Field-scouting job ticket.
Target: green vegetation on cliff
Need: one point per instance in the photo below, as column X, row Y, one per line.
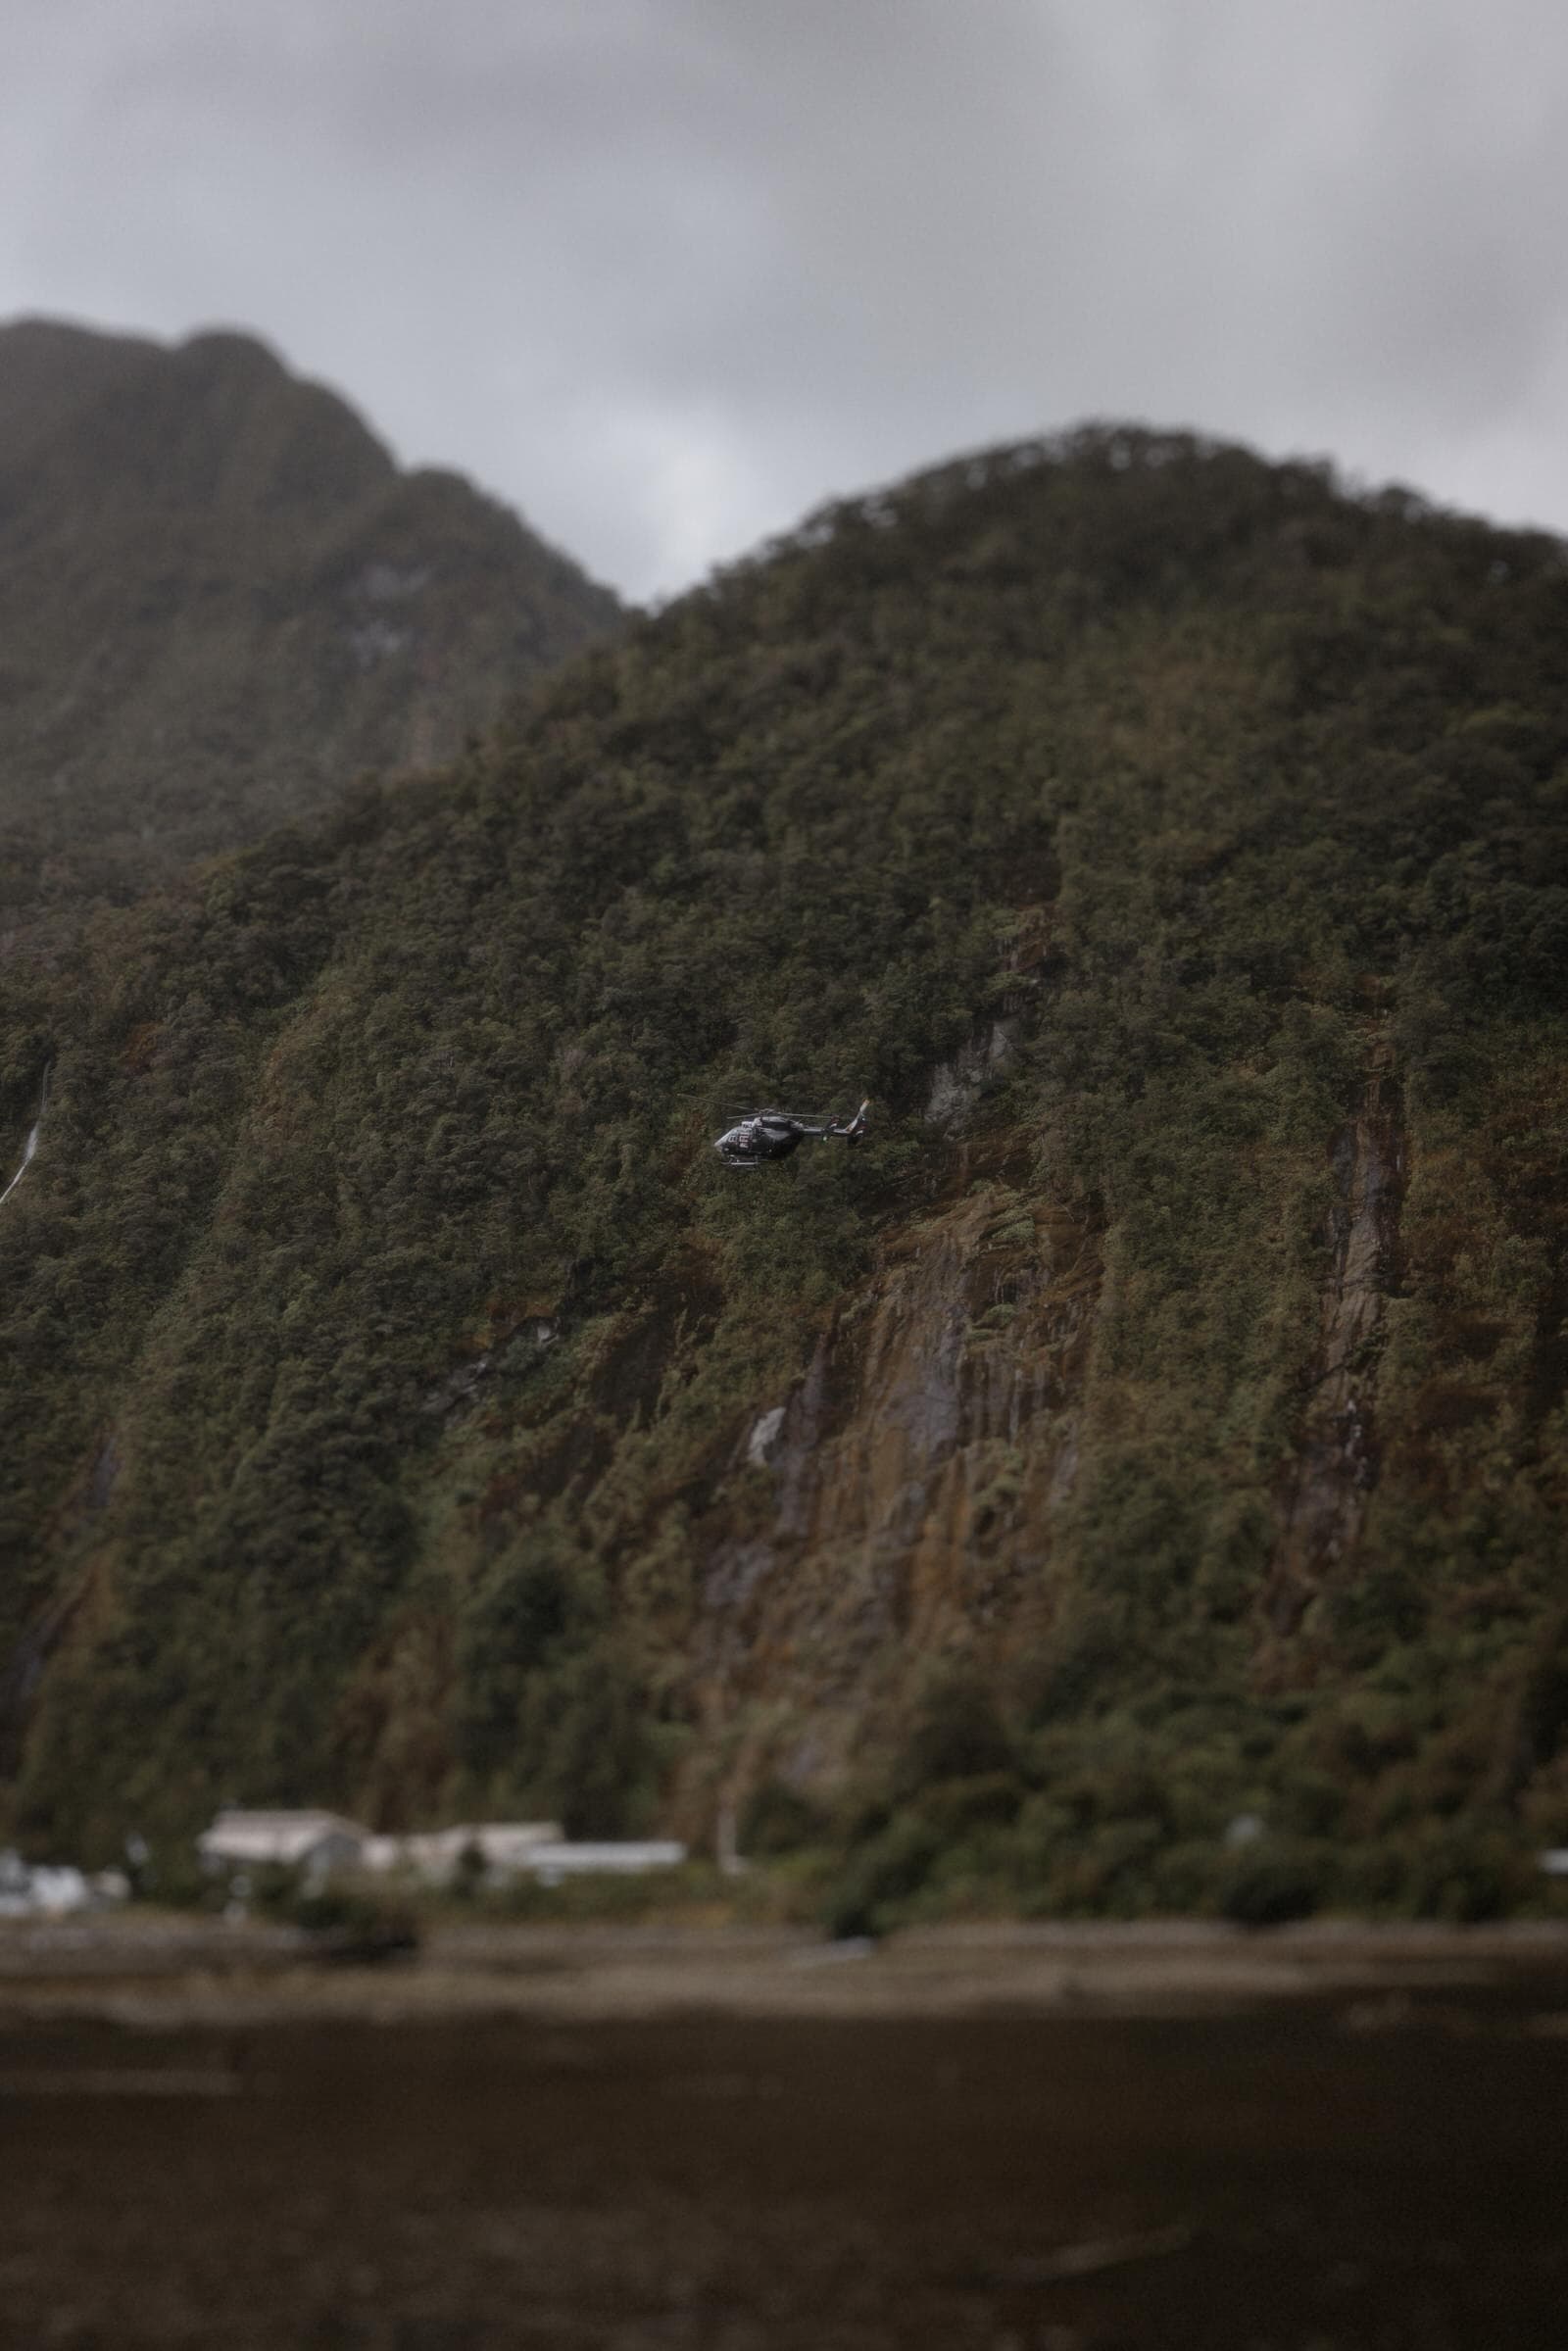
column 406, row 1410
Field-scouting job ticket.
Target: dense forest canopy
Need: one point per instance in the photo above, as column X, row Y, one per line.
column 1159, row 1424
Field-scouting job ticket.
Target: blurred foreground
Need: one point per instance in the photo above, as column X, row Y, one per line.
column 1060, row 2139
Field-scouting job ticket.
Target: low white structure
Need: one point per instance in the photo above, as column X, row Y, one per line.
column 41, row 1890
column 513, row 1850
column 437, row 1856
column 313, row 1842
column 627, row 1858
column 321, row 1844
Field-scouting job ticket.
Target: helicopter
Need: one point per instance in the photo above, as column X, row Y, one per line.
column 763, row 1136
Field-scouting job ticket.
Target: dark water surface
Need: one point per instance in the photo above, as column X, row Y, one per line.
column 1321, row 2180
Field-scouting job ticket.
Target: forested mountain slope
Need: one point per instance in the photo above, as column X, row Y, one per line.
column 219, row 598
column 1161, row 1419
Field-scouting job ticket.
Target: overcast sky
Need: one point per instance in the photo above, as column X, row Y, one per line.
column 665, row 274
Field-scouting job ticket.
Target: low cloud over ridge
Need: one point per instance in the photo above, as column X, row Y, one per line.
column 666, row 272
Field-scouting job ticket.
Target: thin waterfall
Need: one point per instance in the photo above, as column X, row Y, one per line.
column 31, row 1144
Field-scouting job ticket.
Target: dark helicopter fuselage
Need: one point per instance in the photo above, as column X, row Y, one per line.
column 769, row 1135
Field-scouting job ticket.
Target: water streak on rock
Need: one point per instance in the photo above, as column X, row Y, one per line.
column 1335, row 1462
column 32, row 1144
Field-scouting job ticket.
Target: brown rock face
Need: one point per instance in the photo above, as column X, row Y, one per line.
column 915, row 1472
column 1336, row 1463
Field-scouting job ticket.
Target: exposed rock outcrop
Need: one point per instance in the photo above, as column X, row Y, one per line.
column 1335, row 1462
column 915, row 1470
column 958, row 1085
column 995, row 1048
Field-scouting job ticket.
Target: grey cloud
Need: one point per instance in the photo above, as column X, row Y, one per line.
column 666, row 271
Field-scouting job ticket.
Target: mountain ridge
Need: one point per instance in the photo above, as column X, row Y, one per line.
column 1168, row 842
column 220, row 598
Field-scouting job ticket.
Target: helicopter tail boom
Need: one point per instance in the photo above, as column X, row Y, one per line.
column 855, row 1128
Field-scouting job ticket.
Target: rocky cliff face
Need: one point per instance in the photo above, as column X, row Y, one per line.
column 915, row 1472
column 1335, row 1463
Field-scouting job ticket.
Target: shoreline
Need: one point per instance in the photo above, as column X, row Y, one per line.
column 175, row 1972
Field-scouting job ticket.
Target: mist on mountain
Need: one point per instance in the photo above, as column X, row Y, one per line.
column 220, row 600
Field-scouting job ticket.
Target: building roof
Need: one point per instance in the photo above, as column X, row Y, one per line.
column 288, row 1837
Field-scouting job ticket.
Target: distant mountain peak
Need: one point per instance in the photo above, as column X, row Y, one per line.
column 234, row 347
column 185, row 660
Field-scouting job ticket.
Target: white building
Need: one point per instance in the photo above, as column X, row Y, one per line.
column 515, row 1849
column 318, row 1844
column 313, row 1842
column 39, row 1889
column 628, row 1857
column 435, row 1855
